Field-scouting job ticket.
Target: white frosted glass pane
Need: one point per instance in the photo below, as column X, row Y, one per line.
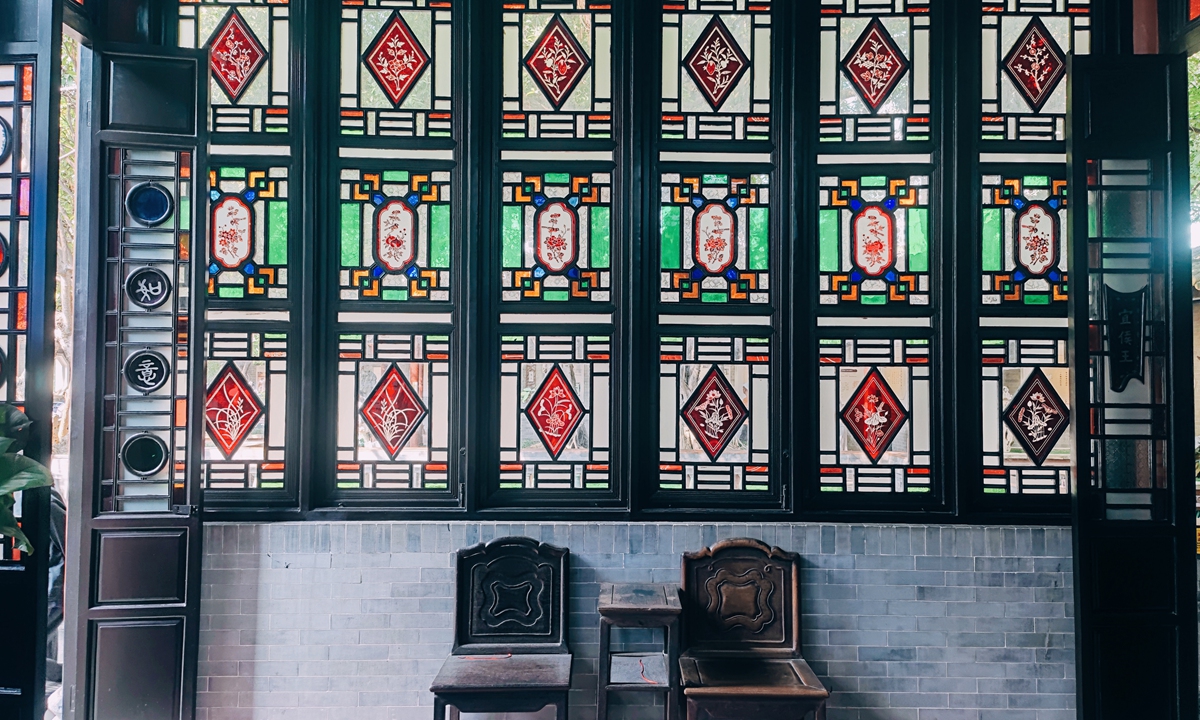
column 920, row 416
column 187, row 33
column 442, row 60
column 279, row 68
column 828, row 423
column 349, row 57
column 600, row 411
column 666, row 412
column 603, row 66
column 512, row 50
column 508, row 411
column 278, row 410
column 989, row 64
column 441, row 411
column 761, row 389
column 762, row 63
column 920, row 72
column 346, row 410
column 828, row 67
column 670, row 59
column 991, row 414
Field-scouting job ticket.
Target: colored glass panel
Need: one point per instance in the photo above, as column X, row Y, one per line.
column 1024, row 241
column 246, row 410
column 875, row 410
column 555, row 412
column 874, row 71
column 396, row 68
column 248, row 229
column 248, row 43
column 874, row 240
column 393, row 406
column 716, row 70
column 16, row 152
column 1025, row 45
column 395, row 235
column 714, row 413
column 715, row 238
column 556, row 236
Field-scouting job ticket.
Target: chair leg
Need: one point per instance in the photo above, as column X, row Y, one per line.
column 820, row 713
column 453, row 713
column 439, row 708
column 560, row 708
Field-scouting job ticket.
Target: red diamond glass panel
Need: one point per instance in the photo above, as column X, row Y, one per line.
column 1037, row 416
column 230, row 409
column 393, row 411
column 874, row 415
column 555, row 412
column 875, row 64
column 1036, row 64
column 235, row 55
column 396, row 59
column 557, row 62
column 714, row 413
column 716, row 62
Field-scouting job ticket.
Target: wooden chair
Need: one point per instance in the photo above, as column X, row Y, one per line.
column 741, row 616
column 510, row 633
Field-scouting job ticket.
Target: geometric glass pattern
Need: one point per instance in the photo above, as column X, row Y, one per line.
column 248, row 233
column 555, row 233
column 249, row 56
column 393, row 402
column 1023, row 241
column 1011, row 364
column 714, row 235
column 245, row 451
column 395, row 235
column 395, row 65
column 874, row 407
column 557, row 70
column 873, row 240
column 16, row 114
column 554, row 413
column 714, row 413
column 716, row 70
column 1024, row 49
column 875, row 71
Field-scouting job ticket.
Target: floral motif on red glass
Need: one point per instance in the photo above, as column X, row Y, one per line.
column 231, row 232
column 396, row 59
column 235, row 55
column 1036, row 64
column 555, row 412
column 874, row 415
column 1037, row 239
column 557, row 237
column 557, row 62
column 393, row 410
column 230, row 409
column 875, row 64
column 874, row 240
column 1037, row 416
column 716, row 62
column 714, row 413
column 714, row 240
column 395, row 235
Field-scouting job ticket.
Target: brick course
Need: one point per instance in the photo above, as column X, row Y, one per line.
column 351, row 621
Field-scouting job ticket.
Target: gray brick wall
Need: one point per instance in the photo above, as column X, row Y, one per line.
column 351, row 621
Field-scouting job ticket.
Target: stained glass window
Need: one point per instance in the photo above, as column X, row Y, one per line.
column 245, row 410
column 249, row 57
column 714, row 238
column 393, row 398
column 875, row 414
column 555, row 408
column 16, row 151
column 557, row 69
column 395, row 235
column 873, row 239
column 248, row 232
column 1023, row 246
column 715, row 412
column 556, row 236
column 396, row 68
column 875, row 65
column 1025, row 46
column 716, row 70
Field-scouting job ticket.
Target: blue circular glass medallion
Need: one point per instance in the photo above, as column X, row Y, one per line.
column 149, row 204
column 144, row 454
column 5, row 139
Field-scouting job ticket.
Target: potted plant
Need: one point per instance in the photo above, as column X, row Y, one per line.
column 17, row 472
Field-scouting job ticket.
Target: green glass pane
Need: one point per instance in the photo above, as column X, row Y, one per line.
column 185, row 213
column 998, row 491
column 714, row 297
column 439, row 236
column 756, row 487
column 232, row 172
column 918, row 239
column 231, row 291
column 759, row 244
column 394, row 294
column 558, row 178
column 1037, row 299
column 918, row 489
column 351, row 229
column 599, row 236
column 828, row 231
column 277, row 233
column 715, row 179
column 829, row 488
column 434, row 486
column 395, row 176
column 873, row 181
column 511, row 253
column 270, row 485
column 874, row 299
column 1036, row 181
column 669, row 229
column 993, row 230
column 556, row 295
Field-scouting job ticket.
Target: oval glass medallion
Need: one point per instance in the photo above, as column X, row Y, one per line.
column 148, row 287
column 144, row 454
column 149, row 204
column 6, row 136
column 146, row 371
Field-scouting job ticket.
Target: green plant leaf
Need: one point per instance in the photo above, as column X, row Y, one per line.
column 14, row 425
column 9, row 527
column 18, row 472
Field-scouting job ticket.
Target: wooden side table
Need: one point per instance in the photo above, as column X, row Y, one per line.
column 640, row 606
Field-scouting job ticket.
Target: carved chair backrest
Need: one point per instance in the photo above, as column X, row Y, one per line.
column 512, row 598
column 742, row 597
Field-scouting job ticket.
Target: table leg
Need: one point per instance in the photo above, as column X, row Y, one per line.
column 673, row 696
column 602, row 672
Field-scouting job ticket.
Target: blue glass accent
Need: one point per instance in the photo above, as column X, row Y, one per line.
column 856, row 276
column 376, row 271
column 414, row 199
column 573, row 273
column 249, row 269
column 890, row 203
column 1054, row 275
column 1053, row 203
column 378, row 199
column 1019, row 276
column 573, row 200
column 539, row 272
column 539, row 200
column 891, row 275
column 731, row 202
column 731, row 274
column 1019, row 203
column 213, row 269
column 249, row 195
column 214, row 194
column 149, row 203
column 856, row 204
column 697, row 273
column 413, row 272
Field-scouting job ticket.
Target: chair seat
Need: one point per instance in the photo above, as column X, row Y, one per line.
column 500, row 673
column 758, row 678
